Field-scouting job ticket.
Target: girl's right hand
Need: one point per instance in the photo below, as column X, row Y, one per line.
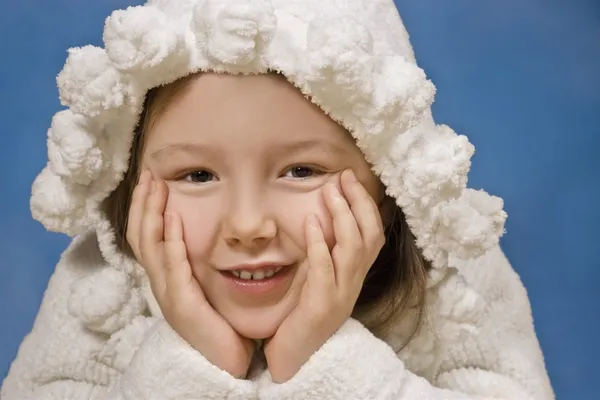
column 156, row 239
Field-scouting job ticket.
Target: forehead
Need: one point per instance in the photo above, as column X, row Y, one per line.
column 257, row 108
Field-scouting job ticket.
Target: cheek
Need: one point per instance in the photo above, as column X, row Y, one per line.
column 292, row 210
column 199, row 223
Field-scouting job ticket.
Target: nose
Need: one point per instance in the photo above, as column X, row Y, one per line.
column 247, row 223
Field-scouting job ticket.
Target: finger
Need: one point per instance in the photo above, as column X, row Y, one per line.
column 365, row 212
column 178, row 271
column 136, row 210
column 321, row 271
column 152, row 230
column 347, row 234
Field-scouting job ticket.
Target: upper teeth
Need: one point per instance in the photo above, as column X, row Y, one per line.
column 256, row 275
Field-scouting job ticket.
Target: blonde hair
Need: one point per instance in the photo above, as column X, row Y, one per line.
column 396, row 282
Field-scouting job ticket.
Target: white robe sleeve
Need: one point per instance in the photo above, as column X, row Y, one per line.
column 354, row 364
column 61, row 359
column 499, row 360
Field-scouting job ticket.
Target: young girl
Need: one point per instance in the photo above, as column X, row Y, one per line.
column 263, row 208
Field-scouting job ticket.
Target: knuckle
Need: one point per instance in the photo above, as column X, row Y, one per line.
column 168, row 264
column 173, row 254
column 356, row 244
column 325, row 261
column 377, row 235
column 130, row 239
column 169, row 256
column 171, row 265
column 380, row 241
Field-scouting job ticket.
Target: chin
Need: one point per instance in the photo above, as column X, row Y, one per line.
column 258, row 323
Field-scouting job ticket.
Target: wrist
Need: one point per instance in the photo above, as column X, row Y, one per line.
column 234, row 358
column 286, row 355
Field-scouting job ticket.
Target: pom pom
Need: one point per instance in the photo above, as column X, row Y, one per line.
column 89, row 83
column 234, row 31
column 141, row 37
column 386, row 95
column 401, row 96
column 73, row 149
column 459, row 308
column 106, row 301
column 438, row 168
column 57, row 205
column 339, row 64
column 471, row 224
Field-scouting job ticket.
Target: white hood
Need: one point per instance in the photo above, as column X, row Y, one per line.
column 350, row 57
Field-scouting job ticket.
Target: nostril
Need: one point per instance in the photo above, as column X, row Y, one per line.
column 250, row 232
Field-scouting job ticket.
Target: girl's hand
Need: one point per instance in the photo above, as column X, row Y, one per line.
column 334, row 280
column 156, row 239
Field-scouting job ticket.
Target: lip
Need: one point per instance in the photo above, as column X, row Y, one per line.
column 255, row 266
column 276, row 285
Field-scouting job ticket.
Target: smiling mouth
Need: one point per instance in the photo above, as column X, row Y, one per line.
column 259, row 280
column 256, row 275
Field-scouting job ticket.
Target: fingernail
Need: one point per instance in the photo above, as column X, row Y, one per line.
column 168, row 218
column 351, row 176
column 313, row 222
column 152, row 186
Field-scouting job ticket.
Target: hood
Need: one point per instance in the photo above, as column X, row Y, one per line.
column 352, row 58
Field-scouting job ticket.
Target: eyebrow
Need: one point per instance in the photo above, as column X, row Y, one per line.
column 281, row 149
column 190, row 148
column 310, row 144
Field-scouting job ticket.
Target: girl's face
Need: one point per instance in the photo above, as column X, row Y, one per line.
column 245, row 159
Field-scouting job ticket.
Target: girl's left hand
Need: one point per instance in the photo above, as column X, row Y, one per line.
column 334, row 280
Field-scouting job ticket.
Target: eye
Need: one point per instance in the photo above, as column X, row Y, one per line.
column 302, row 172
column 201, row 176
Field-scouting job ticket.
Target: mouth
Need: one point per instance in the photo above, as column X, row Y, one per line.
column 257, row 274
column 259, row 279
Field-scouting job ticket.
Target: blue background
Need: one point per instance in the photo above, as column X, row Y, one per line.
column 520, row 78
